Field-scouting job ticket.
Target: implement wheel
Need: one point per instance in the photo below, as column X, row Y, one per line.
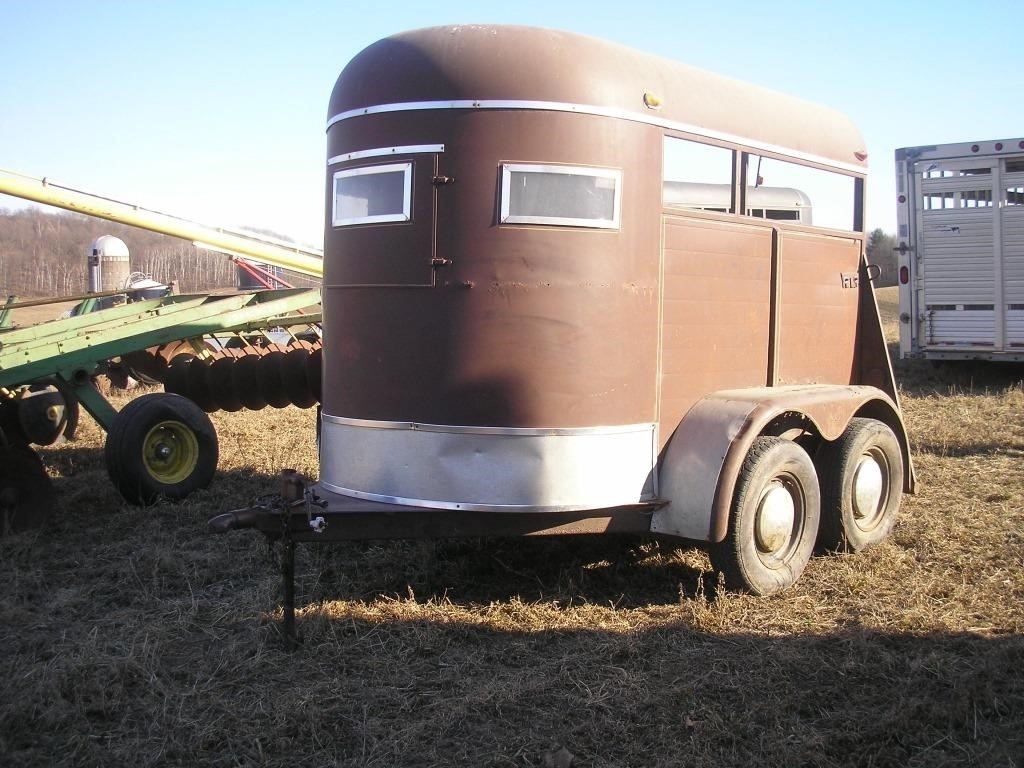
column 160, row 446
column 774, row 519
column 26, row 492
column 861, row 486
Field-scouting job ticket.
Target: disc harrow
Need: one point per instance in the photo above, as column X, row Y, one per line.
column 218, row 351
column 253, row 377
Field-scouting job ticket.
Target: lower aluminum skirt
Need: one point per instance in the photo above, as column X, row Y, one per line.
column 488, row 468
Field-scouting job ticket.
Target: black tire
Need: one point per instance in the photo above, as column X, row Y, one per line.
column 773, row 522
column 160, row 446
column 866, row 457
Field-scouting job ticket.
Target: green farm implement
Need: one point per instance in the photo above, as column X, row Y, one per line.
column 210, row 352
column 161, row 444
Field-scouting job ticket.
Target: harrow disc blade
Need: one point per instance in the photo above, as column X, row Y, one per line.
column 271, row 382
column 198, row 385
column 245, row 384
column 176, row 378
column 45, row 413
column 293, row 376
column 26, row 492
column 219, row 380
column 145, row 365
column 173, row 349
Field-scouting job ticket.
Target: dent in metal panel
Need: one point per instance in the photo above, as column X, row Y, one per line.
column 481, row 469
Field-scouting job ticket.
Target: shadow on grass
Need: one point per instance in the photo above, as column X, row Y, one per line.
column 147, row 645
column 612, row 570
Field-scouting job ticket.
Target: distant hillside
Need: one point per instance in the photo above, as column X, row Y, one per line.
column 44, row 254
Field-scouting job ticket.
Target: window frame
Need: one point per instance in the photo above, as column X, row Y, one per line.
column 505, row 200
column 406, row 167
column 856, row 190
column 727, row 181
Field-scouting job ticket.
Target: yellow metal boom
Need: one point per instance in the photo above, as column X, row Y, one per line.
column 294, row 258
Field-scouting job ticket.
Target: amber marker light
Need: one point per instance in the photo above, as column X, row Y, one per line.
column 651, row 101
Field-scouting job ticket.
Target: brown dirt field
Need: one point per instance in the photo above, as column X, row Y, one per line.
column 132, row 637
column 41, row 313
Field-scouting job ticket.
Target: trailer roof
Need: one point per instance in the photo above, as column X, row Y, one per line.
column 496, row 63
column 961, row 149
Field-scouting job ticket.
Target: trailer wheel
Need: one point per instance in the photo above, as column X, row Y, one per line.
column 160, row 445
column 861, row 486
column 773, row 521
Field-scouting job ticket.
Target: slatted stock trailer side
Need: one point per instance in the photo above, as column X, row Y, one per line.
column 961, row 248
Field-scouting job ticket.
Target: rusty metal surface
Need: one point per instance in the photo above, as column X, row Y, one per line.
column 817, row 311
column 347, row 518
column 715, row 322
column 703, row 458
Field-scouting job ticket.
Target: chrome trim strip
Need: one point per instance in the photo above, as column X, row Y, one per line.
column 450, row 505
column 590, row 109
column 617, row 429
column 411, row 149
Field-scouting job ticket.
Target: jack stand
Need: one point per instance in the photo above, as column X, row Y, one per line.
column 291, row 639
column 292, row 490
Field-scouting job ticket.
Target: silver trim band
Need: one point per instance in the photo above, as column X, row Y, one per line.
column 591, row 109
column 411, row 149
column 617, row 429
column 447, row 504
column 489, row 468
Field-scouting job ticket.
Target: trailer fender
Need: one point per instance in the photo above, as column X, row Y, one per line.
column 698, row 467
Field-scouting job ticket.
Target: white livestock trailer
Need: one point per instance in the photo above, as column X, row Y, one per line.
column 960, row 239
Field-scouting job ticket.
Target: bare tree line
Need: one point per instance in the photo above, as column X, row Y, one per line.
column 44, row 254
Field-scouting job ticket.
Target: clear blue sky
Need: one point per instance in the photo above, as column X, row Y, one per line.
column 216, row 110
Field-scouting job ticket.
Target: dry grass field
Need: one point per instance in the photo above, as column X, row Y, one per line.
column 133, row 637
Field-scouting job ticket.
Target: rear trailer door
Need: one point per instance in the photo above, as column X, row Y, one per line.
column 970, row 267
column 956, row 245
column 1011, row 220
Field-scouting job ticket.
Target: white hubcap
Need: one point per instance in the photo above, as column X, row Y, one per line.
column 867, row 488
column 775, row 516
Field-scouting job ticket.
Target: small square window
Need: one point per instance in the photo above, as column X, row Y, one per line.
column 373, row 195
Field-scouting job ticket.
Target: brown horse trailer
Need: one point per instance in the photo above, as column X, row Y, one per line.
column 574, row 288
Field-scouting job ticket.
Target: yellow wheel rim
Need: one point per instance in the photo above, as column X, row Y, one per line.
column 170, row 452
